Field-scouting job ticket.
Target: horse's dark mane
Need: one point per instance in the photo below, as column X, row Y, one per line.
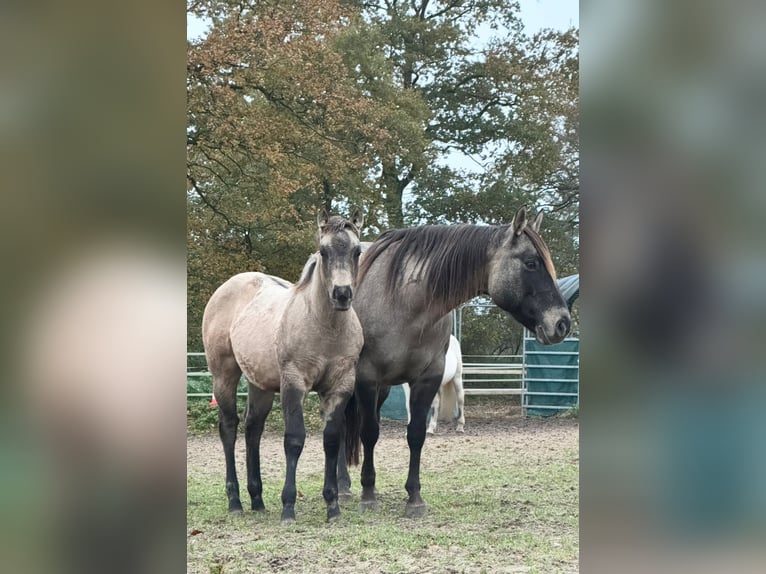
column 451, row 258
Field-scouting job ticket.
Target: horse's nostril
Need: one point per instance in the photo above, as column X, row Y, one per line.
column 562, row 327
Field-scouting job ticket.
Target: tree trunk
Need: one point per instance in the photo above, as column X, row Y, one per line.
column 327, row 195
column 394, row 190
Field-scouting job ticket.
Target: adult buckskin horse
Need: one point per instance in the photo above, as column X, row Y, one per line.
column 409, row 280
column 291, row 339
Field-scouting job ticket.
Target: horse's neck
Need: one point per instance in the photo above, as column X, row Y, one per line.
column 435, row 310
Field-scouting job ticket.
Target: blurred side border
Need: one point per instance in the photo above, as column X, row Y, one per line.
column 672, row 460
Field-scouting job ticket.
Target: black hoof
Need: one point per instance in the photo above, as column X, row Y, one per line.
column 235, row 507
column 418, row 510
column 345, row 496
column 333, row 513
column 288, row 515
column 368, row 505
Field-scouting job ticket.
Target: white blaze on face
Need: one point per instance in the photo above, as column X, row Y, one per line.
column 341, row 271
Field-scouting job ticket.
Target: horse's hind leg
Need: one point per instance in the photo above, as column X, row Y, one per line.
column 423, row 392
column 226, row 375
column 344, row 479
column 333, row 407
column 369, row 405
column 460, row 394
column 435, row 416
column 259, row 404
column 291, row 395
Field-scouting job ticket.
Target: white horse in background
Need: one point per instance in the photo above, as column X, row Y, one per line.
column 450, row 393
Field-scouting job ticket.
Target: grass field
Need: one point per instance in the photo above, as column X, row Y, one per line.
column 502, row 498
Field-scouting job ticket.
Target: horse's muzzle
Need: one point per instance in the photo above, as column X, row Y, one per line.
column 549, row 334
column 341, row 298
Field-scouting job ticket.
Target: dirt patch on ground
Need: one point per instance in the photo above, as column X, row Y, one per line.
column 503, row 498
column 508, row 436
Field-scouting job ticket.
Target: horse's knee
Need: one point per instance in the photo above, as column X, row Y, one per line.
column 293, row 443
column 331, row 440
column 370, row 432
column 228, row 424
column 416, row 437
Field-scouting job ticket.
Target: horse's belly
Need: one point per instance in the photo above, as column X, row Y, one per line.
column 259, row 366
column 395, row 365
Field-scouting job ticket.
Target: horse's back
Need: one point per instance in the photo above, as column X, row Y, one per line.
column 224, row 307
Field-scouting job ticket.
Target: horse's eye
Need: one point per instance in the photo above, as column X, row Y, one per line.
column 532, row 264
column 323, row 251
column 357, row 252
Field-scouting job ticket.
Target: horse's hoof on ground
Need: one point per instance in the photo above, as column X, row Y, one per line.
column 415, row 510
column 288, row 517
column 459, row 429
column 333, row 515
column 429, row 431
column 367, row 505
column 345, row 496
column 235, row 508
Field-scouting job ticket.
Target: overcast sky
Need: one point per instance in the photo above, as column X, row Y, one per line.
column 536, row 14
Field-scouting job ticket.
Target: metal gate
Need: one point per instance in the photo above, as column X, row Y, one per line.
column 551, row 376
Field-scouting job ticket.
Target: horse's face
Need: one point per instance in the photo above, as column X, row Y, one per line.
column 522, row 281
column 339, row 252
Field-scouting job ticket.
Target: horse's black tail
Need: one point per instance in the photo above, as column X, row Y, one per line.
column 353, row 431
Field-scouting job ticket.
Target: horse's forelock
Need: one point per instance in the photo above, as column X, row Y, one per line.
column 542, row 250
column 336, row 224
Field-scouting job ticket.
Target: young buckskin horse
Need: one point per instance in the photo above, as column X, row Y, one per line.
column 409, row 280
column 289, row 339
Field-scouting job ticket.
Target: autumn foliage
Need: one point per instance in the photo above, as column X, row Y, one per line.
column 309, row 103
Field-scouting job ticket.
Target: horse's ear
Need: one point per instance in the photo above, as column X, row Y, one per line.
column 357, row 217
column 323, row 218
column 519, row 221
column 535, row 225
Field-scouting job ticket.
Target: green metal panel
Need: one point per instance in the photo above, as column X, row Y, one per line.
column 394, row 407
column 552, row 376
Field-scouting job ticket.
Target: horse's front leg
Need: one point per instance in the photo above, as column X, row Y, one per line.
column 333, row 407
column 422, row 395
column 292, row 392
